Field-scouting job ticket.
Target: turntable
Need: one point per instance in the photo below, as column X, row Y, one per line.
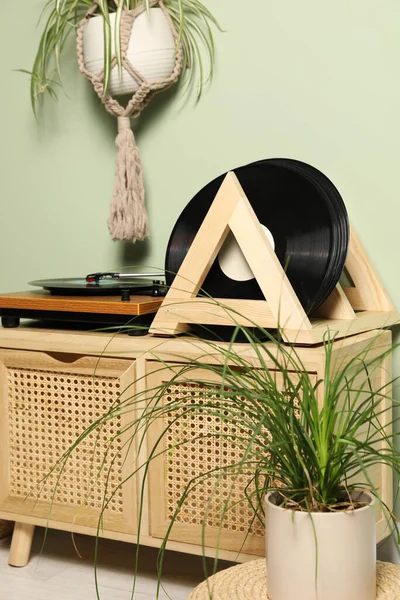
column 99, row 299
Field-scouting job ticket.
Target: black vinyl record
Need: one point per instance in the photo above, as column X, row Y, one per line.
column 304, row 215
column 75, row 286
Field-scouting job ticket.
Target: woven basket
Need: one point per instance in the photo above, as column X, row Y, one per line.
column 249, row 582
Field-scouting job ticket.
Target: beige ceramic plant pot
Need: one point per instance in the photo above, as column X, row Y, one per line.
column 342, row 545
column 151, row 50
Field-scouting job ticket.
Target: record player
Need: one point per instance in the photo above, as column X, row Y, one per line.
column 99, row 299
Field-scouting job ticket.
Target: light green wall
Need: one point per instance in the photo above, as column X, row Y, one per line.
column 311, row 80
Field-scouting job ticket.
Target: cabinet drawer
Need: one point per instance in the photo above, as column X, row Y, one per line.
column 47, row 401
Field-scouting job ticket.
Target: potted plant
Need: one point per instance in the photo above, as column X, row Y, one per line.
column 307, row 449
column 151, row 48
column 125, row 46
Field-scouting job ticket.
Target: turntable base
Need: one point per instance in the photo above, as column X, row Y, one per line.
column 111, row 310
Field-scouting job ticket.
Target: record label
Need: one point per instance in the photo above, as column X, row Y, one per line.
column 232, row 261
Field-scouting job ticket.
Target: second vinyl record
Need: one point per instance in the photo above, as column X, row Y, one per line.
column 301, row 212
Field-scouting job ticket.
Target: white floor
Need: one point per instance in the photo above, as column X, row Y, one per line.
column 57, row 573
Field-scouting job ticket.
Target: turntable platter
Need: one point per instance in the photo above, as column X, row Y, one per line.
column 103, row 287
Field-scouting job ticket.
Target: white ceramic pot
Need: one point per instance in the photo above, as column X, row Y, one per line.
column 343, row 544
column 151, row 50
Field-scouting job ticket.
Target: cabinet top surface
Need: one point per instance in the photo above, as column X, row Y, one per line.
column 108, row 343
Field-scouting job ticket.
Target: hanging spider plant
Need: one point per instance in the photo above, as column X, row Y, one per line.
column 191, row 19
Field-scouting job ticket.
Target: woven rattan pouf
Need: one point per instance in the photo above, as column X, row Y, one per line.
column 249, row 582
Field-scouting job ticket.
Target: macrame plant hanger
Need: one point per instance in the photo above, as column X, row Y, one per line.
column 128, row 217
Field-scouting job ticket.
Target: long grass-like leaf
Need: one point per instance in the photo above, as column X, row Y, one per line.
column 117, row 35
column 103, row 6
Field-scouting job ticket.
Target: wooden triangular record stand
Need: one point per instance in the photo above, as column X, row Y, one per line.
column 347, row 311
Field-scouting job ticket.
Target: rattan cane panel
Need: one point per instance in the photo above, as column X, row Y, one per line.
column 47, row 413
column 187, row 461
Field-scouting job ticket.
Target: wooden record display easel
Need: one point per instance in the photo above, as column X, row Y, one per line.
column 347, row 311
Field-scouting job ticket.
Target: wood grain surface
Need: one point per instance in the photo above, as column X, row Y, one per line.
column 110, row 305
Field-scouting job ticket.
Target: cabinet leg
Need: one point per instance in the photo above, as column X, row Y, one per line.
column 21, row 545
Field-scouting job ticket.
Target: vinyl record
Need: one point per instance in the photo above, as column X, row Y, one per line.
column 302, row 214
column 105, row 287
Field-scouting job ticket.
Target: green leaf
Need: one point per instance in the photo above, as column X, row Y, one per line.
column 107, row 45
column 117, row 34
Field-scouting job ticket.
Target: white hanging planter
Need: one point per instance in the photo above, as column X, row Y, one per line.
column 151, row 50
column 343, row 544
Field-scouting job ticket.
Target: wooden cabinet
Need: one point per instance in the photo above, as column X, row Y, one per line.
column 54, row 384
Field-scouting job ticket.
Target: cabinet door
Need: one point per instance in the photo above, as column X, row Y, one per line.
column 46, row 402
column 171, row 472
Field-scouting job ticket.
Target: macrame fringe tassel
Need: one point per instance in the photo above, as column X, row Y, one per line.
column 128, row 217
